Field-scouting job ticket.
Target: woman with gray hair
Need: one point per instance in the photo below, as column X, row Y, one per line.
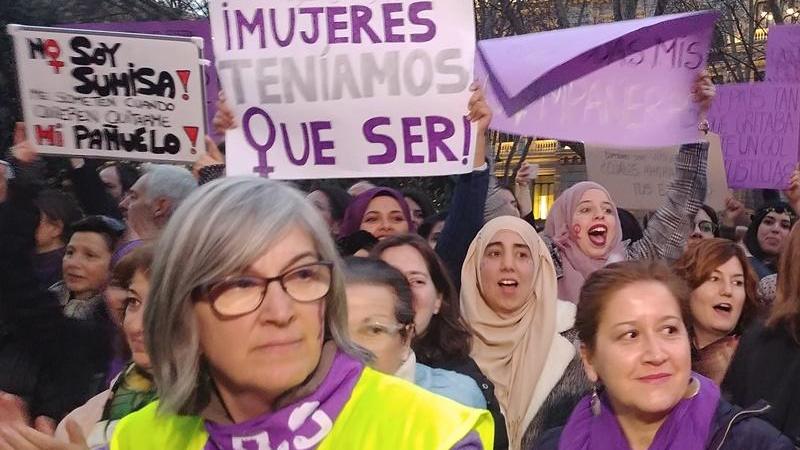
column 247, row 335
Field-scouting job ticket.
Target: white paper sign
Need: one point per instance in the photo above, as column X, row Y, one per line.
column 639, row 178
column 111, row 95
column 331, row 89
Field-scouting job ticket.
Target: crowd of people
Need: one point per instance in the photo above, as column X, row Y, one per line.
column 154, row 306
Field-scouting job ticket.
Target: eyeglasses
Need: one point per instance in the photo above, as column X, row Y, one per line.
column 376, row 331
column 240, row 295
column 706, row 226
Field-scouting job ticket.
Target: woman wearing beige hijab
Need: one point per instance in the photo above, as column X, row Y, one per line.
column 523, row 334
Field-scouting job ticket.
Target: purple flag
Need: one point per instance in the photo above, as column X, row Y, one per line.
column 758, row 124
column 188, row 28
column 622, row 83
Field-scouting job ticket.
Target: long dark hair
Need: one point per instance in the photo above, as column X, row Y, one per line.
column 448, row 337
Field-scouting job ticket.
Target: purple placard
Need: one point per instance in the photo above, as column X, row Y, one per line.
column 783, row 54
column 622, row 83
column 189, row 28
column 758, row 124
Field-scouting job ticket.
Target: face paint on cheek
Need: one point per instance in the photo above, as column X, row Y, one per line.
column 576, row 230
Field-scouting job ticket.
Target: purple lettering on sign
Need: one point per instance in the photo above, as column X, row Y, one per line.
column 287, row 142
column 436, row 139
column 256, row 25
column 409, row 139
column 335, row 25
column 321, row 145
column 262, row 169
column 376, row 138
column 361, row 15
column 389, row 22
column 414, row 17
column 283, row 42
column 314, row 13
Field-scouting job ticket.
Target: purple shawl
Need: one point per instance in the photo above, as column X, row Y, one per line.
column 688, row 426
column 577, row 266
column 355, row 212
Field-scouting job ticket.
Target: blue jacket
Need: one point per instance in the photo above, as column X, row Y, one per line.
column 733, row 429
column 452, row 385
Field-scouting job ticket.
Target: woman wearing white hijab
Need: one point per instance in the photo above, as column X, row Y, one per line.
column 508, row 297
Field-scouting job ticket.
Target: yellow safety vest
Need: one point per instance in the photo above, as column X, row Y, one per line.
column 382, row 412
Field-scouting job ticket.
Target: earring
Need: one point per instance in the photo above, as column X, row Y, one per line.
column 595, row 404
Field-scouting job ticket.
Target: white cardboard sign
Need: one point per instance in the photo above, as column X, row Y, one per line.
column 639, row 178
column 111, row 95
column 332, row 89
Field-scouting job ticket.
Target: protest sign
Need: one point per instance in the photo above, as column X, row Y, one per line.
column 758, row 124
column 329, row 89
column 111, row 95
column 622, row 83
column 639, row 178
column 186, row 28
column 783, row 54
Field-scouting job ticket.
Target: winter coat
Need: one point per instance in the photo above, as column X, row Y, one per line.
column 767, row 367
column 733, row 428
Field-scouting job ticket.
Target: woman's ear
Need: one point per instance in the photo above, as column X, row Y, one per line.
column 588, row 367
column 438, row 305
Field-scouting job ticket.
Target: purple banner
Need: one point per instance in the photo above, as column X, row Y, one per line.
column 623, row 83
column 783, row 54
column 188, row 28
column 758, row 124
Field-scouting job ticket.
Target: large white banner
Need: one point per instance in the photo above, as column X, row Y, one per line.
column 336, row 89
column 111, row 95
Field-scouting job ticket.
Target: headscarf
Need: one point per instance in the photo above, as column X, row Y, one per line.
column 577, row 265
column 355, row 212
column 511, row 351
column 751, row 238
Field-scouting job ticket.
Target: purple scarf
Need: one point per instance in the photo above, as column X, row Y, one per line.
column 303, row 424
column 355, row 212
column 688, row 426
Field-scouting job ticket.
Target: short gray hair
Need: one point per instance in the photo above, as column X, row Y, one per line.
column 171, row 182
column 221, row 229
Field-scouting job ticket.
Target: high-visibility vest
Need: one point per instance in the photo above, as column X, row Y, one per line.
column 382, row 412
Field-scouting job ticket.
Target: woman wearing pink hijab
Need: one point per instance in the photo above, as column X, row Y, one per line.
column 583, row 229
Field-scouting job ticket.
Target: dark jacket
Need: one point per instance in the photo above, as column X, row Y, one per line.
column 558, row 405
column 733, row 429
column 767, row 367
column 469, row 367
column 464, row 221
column 54, row 363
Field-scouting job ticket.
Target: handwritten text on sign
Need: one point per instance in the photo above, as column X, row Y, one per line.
column 325, row 89
column 639, row 178
column 186, row 28
column 106, row 95
column 783, row 54
column 599, row 83
column 759, row 126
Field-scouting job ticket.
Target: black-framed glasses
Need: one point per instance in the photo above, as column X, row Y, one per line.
column 706, row 226
column 243, row 294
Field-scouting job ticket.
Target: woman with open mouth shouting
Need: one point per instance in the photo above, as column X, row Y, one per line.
column 722, row 303
column 583, row 230
column 523, row 337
